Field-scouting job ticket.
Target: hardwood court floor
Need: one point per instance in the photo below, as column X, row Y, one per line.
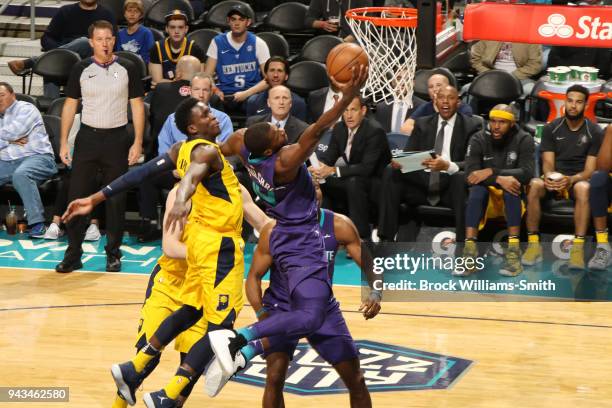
column 66, row 330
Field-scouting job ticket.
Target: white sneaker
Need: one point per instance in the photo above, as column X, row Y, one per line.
column 215, row 378
column 53, row 232
column 220, row 342
column 93, row 233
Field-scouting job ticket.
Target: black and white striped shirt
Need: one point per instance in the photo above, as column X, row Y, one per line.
column 105, row 91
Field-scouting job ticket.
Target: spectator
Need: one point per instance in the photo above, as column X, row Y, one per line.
column 322, row 100
column 569, row 152
column 600, row 198
column 238, row 58
column 67, row 29
column 135, row 37
column 448, row 133
column 329, row 16
column 524, row 61
column 357, row 154
column 165, row 54
column 26, row 155
column 167, row 95
column 434, row 84
column 582, row 56
column 105, row 83
column 150, row 189
column 276, row 72
column 280, row 101
column 499, row 164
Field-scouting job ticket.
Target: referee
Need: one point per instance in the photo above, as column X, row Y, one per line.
column 105, row 84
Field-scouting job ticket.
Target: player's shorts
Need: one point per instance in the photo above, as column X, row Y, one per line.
column 496, row 208
column 214, row 276
column 299, row 252
column 162, row 299
column 332, row 341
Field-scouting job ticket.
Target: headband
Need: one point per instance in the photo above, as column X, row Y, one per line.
column 500, row 114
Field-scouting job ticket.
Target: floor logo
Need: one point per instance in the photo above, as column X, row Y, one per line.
column 386, row 368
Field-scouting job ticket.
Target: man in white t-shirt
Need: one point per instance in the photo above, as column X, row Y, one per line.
column 237, row 58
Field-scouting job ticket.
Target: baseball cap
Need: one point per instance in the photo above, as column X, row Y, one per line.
column 239, row 9
column 176, row 14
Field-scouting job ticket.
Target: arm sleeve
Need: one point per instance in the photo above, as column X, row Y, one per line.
column 134, row 177
column 226, row 127
column 373, row 153
column 525, row 170
column 154, row 55
column 473, row 158
column 135, row 89
column 598, row 135
column 25, row 118
column 262, row 51
column 547, row 145
column 73, row 87
column 315, row 12
column 212, row 50
column 164, row 139
column 51, row 38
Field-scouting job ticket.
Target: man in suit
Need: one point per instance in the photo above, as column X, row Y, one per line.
column 442, row 180
column 392, row 114
column 279, row 102
column 322, row 100
column 357, row 154
column 276, row 71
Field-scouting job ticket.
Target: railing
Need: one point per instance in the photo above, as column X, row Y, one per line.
column 32, row 16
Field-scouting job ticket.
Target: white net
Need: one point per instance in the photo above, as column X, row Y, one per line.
column 391, row 48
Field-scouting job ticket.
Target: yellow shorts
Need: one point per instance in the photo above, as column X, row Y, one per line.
column 162, row 299
column 496, row 207
column 214, row 275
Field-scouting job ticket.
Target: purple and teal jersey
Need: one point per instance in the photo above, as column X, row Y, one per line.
column 278, row 292
column 292, row 204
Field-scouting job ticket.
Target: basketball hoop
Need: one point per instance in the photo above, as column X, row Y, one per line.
column 388, row 36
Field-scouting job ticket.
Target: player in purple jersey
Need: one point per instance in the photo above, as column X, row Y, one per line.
column 281, row 180
column 332, row 340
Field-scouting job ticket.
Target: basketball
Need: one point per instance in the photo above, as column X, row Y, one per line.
column 342, row 58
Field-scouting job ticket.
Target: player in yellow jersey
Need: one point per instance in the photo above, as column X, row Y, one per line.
column 213, row 282
column 163, row 291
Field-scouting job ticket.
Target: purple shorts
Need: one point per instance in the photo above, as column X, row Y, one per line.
column 332, row 341
column 299, row 252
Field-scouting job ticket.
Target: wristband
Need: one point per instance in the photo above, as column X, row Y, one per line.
column 260, row 312
column 376, row 295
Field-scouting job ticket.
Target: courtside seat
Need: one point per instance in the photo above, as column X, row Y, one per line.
column 216, row 17
column 203, row 37
column 277, row 44
column 307, row 76
column 156, row 14
column 491, row 88
column 422, row 76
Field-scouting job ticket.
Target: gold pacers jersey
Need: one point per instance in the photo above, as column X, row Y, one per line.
column 217, row 201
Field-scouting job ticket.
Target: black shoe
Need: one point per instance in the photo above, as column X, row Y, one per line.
column 148, row 232
column 67, row 266
column 113, row 263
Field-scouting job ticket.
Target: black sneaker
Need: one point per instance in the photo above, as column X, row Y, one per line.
column 68, row 266
column 127, row 380
column 113, row 263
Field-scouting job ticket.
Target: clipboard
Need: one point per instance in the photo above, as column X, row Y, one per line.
column 411, row 161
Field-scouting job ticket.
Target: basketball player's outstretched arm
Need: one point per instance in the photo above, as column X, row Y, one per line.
column 293, row 156
column 604, row 158
column 262, row 260
column 205, row 160
column 347, row 235
column 131, row 179
column 172, row 245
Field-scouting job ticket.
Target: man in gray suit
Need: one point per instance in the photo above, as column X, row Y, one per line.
column 279, row 101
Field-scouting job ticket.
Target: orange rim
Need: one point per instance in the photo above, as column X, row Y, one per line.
column 405, row 17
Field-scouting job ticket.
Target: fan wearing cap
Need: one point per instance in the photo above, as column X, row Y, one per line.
column 165, row 54
column 237, row 58
column 499, row 164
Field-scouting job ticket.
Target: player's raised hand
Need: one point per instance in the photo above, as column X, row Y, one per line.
column 352, row 87
column 80, row 206
column 177, row 215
